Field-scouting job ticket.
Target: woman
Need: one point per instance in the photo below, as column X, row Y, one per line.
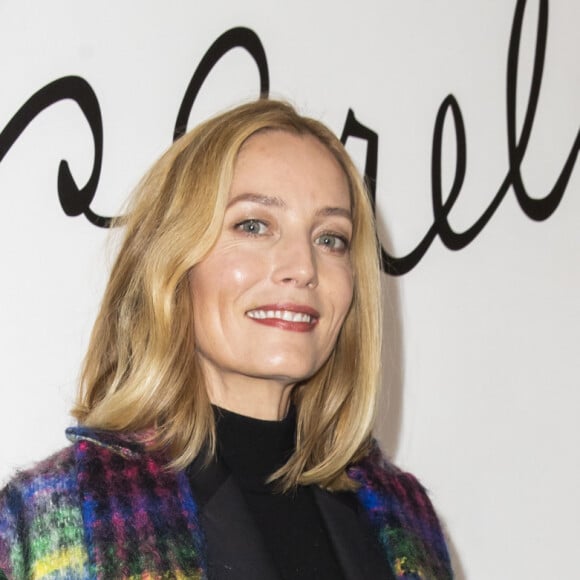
column 229, row 389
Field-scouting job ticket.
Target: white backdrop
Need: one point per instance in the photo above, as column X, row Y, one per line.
column 481, row 363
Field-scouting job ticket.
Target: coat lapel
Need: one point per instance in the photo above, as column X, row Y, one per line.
column 235, row 548
column 356, row 548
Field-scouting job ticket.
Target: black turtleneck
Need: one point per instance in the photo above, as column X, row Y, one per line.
column 290, row 524
column 252, row 448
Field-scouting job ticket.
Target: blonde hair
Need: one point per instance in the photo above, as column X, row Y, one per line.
column 141, row 370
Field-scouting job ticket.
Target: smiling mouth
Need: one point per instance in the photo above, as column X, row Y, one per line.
column 281, row 315
column 291, row 318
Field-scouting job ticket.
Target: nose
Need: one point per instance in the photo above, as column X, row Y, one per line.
column 295, row 262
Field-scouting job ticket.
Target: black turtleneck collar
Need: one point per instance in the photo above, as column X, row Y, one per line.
column 253, row 449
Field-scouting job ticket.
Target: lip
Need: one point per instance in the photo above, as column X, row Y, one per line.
column 294, row 326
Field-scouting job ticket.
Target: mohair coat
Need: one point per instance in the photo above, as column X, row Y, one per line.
column 105, row 508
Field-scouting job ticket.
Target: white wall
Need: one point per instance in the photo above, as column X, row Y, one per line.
column 481, row 360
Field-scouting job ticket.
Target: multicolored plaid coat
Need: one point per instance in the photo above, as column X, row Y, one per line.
column 105, row 508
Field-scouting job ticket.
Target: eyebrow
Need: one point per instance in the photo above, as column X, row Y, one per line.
column 274, row 201
column 332, row 211
column 258, row 198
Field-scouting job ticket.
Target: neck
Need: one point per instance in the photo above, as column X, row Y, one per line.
column 265, row 399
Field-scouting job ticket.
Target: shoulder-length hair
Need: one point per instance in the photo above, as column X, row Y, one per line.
column 141, row 370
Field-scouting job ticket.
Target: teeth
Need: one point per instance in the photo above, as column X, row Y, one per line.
column 281, row 315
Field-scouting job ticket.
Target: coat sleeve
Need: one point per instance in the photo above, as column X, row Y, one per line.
column 41, row 531
column 13, row 548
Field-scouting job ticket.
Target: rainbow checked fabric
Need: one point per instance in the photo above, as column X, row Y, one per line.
column 104, row 508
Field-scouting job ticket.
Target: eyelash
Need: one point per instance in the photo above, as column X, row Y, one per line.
column 260, row 223
column 240, row 226
column 342, row 239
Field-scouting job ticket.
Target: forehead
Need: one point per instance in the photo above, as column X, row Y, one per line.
column 279, row 162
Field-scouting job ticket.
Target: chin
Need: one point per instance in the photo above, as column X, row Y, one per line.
column 289, row 372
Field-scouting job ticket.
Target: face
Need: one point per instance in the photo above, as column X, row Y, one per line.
column 270, row 298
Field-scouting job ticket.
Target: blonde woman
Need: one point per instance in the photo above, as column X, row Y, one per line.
column 229, row 390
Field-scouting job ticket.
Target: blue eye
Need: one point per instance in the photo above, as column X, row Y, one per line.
column 253, row 227
column 333, row 242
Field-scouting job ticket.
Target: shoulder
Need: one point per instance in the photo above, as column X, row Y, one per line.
column 399, row 509
column 34, row 505
column 376, row 472
column 384, row 487
column 33, row 490
column 43, row 509
column 49, row 475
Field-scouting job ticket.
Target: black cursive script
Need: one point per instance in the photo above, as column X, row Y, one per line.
column 73, row 200
column 535, row 208
column 76, row 200
column 234, row 38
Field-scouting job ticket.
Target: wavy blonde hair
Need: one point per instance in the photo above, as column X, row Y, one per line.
column 141, row 370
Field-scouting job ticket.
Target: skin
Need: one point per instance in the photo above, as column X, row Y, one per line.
column 283, row 251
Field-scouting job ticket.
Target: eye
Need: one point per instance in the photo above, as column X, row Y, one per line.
column 252, row 227
column 333, row 242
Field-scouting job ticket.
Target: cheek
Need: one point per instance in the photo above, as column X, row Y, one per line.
column 215, row 273
column 218, row 281
column 239, row 272
column 244, row 269
column 344, row 288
